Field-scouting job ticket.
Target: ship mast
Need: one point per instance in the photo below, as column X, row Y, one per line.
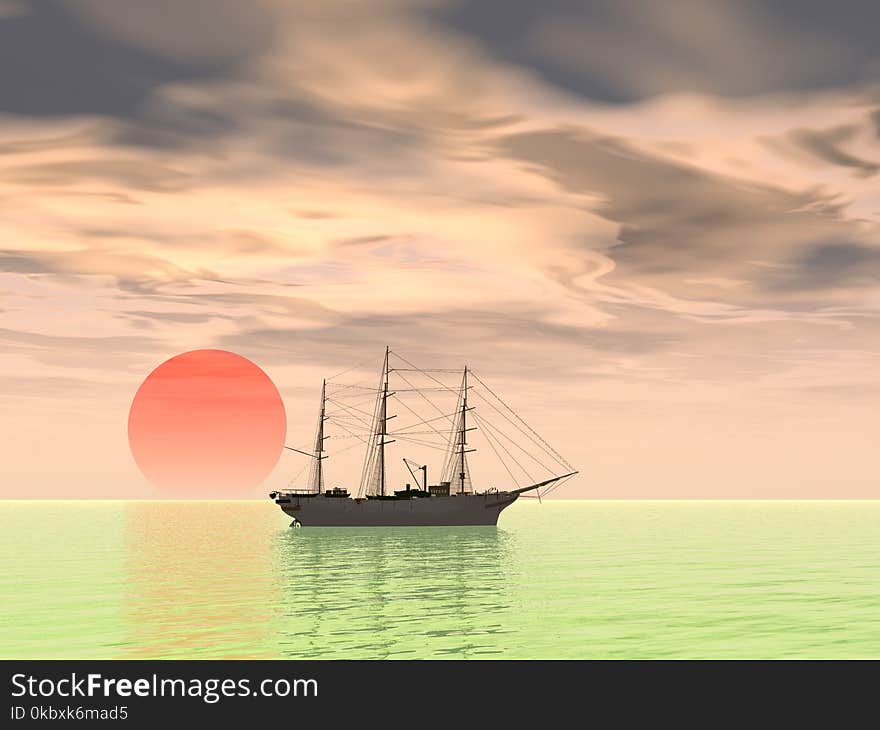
column 316, row 479
column 319, row 440
column 462, row 434
column 383, row 421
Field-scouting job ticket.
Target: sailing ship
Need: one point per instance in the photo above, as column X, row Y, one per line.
column 452, row 500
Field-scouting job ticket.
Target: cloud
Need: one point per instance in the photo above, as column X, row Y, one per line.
column 173, row 317
column 828, row 265
column 826, row 145
column 132, row 271
column 79, row 352
column 875, row 120
column 53, row 61
column 42, row 387
column 624, row 50
column 680, row 226
column 197, row 32
column 528, row 335
column 274, row 304
column 132, row 174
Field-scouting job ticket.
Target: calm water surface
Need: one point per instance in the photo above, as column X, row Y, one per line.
column 564, row 579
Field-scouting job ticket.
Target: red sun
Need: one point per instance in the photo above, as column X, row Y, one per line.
column 207, row 422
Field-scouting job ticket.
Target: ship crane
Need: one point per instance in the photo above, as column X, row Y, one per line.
column 422, row 468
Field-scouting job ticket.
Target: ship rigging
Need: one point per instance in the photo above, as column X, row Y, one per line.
column 375, row 417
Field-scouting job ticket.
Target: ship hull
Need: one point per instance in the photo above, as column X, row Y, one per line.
column 468, row 509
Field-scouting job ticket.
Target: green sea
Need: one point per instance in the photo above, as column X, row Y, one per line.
column 562, row 579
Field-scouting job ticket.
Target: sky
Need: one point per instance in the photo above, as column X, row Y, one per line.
column 653, row 227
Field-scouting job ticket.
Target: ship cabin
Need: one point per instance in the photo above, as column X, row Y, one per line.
column 439, row 490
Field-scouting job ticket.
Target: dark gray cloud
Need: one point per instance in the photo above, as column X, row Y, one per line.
column 160, row 125
column 505, row 28
column 875, row 120
column 827, row 146
column 22, row 262
column 509, row 340
column 306, row 133
column 674, row 219
column 827, row 265
column 318, row 135
column 639, row 344
column 623, row 50
column 303, row 131
column 54, row 62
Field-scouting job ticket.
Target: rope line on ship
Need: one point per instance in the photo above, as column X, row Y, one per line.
column 345, row 409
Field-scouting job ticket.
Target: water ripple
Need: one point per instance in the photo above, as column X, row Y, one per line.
column 558, row 580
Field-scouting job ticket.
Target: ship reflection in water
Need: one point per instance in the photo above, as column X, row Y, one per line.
column 396, row 593
column 218, row 578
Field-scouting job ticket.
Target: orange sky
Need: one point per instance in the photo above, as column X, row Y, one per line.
column 659, row 241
